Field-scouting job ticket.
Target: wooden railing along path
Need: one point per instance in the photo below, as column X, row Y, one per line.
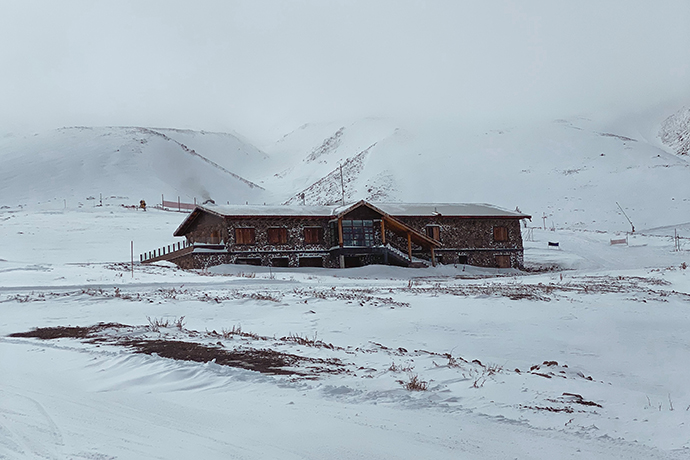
column 165, row 252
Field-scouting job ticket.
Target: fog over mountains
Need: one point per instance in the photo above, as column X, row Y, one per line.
column 570, row 171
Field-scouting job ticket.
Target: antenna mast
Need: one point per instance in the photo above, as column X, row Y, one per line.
column 626, row 216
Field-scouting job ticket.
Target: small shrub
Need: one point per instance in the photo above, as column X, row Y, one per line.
column 155, row 324
column 415, row 383
column 179, row 323
column 307, row 341
column 237, row 330
column 400, row 368
column 454, row 362
column 492, row 369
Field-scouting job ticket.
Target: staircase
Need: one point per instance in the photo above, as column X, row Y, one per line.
column 402, row 259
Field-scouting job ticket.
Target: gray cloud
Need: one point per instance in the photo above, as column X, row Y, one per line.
column 260, row 67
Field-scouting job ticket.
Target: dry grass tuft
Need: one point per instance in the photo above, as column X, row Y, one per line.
column 415, row 383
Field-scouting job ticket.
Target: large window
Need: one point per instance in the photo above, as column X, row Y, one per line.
column 358, row 232
column 313, row 235
column 245, row 236
column 500, row 233
column 277, row 235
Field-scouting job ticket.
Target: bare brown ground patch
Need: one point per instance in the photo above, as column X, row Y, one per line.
column 256, row 359
column 72, row 332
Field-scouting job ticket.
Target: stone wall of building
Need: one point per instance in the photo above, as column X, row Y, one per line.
column 460, row 237
column 294, row 249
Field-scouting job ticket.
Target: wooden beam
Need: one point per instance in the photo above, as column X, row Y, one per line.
column 409, row 246
column 433, row 257
column 340, row 231
column 383, row 232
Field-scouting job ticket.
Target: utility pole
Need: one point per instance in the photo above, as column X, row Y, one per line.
column 626, row 216
column 342, row 184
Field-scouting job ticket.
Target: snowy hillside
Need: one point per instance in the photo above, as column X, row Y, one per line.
column 573, row 171
column 74, row 166
column 675, row 131
column 566, row 173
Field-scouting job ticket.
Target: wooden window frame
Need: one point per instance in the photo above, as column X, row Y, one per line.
column 501, row 233
column 358, row 232
column 242, row 239
column 307, row 235
column 277, row 235
column 433, row 232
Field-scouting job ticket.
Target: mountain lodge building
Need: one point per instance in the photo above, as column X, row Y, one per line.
column 353, row 235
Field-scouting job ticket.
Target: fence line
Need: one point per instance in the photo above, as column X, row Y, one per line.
column 179, row 205
column 164, row 250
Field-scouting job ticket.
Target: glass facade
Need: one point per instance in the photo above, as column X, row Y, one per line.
column 358, row 232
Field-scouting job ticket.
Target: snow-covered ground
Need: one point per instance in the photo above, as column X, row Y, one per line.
column 587, row 359
column 584, row 355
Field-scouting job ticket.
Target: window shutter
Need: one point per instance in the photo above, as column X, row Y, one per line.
column 277, row 235
column 244, row 236
column 500, row 233
column 313, row 235
column 503, row 261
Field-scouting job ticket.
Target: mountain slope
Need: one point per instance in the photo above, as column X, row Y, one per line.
column 135, row 163
column 570, row 171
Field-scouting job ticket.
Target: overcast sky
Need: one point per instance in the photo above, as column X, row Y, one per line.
column 261, row 67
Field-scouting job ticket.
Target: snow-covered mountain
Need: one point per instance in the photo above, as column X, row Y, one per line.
column 126, row 164
column 567, row 173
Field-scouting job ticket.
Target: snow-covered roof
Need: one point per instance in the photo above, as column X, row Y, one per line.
column 393, row 209
column 258, row 210
column 447, row 209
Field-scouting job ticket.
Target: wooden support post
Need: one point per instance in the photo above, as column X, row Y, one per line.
column 409, row 246
column 383, row 232
column 132, row 254
column 340, row 232
column 341, row 242
column 433, row 257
